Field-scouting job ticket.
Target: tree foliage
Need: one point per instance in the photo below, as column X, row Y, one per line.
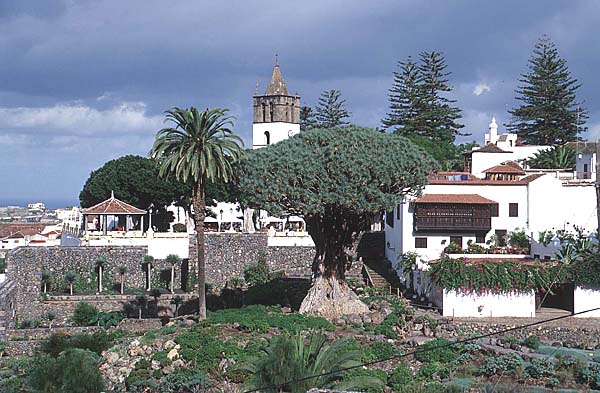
column 331, row 110
column 418, row 100
column 338, row 184
column 448, row 155
column 134, row 180
column 555, row 157
column 200, row 148
column 307, row 118
column 549, row 113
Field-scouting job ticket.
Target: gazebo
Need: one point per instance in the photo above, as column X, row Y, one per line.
column 115, row 208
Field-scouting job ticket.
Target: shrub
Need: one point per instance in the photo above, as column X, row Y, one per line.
column 539, row 368
column 138, row 380
column 371, row 380
column 96, row 342
column 431, row 371
column 436, row 350
column 590, row 375
column 496, row 365
column 259, row 273
column 75, row 371
column 107, row 319
column 179, row 227
column 184, row 380
column 85, row 314
column 532, row 342
column 379, row 351
column 400, row 376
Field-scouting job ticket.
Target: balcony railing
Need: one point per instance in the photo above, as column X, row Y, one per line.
column 450, row 223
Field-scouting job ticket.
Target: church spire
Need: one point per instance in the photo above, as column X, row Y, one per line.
column 277, row 85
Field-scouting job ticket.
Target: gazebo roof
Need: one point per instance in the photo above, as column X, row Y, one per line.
column 113, row 206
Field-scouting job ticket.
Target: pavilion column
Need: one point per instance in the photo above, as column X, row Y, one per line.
column 142, row 224
column 104, row 224
column 127, row 223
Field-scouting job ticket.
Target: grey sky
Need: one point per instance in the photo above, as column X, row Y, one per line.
column 82, row 82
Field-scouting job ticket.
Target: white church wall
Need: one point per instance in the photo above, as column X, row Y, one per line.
column 278, row 131
column 586, row 298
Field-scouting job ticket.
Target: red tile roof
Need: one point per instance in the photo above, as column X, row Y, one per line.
column 26, row 229
column 455, row 198
column 113, row 206
column 505, row 169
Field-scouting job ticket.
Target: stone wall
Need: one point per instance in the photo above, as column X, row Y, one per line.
column 228, row 254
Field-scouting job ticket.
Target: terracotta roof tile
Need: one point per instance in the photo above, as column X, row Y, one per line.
column 26, row 229
column 455, row 198
column 113, row 206
column 505, row 169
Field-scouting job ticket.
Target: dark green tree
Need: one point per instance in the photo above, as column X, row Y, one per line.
column 338, row 185
column 307, row 118
column 556, row 157
column 438, row 116
column 135, row 180
column 406, row 101
column 449, row 156
column 549, row 113
column 331, row 111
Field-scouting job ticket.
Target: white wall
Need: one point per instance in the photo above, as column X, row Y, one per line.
column 290, row 241
column 510, row 304
column 279, row 131
column 483, row 161
column 159, row 246
column 586, row 298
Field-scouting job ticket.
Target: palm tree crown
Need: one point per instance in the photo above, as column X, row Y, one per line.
column 199, row 145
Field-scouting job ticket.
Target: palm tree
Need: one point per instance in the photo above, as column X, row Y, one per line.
column 141, row 303
column 177, row 300
column 200, row 148
column 46, row 280
column 100, row 263
column 174, row 260
column 70, row 278
column 148, row 261
column 122, row 271
column 290, row 358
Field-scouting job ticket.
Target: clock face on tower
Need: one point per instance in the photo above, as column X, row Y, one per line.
column 290, row 132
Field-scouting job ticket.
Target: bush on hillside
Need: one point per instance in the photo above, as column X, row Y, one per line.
column 85, row 314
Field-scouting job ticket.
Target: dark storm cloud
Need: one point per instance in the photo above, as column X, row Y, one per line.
column 89, row 80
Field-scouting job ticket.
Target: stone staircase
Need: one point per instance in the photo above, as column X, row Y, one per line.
column 377, row 271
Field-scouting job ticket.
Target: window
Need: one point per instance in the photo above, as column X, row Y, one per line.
column 547, row 258
column 536, row 256
column 456, row 240
column 495, row 210
column 501, row 234
column 480, row 238
column 398, row 211
column 420, row 242
column 389, row 218
column 513, row 210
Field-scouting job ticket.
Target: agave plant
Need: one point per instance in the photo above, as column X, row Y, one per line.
column 292, row 358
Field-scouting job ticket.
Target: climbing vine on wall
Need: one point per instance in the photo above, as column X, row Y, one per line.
column 506, row 276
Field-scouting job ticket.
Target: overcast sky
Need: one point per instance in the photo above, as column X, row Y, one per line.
column 82, row 82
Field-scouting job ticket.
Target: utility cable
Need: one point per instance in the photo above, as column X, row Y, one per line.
column 422, row 350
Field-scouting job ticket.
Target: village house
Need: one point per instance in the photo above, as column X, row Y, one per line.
column 460, row 213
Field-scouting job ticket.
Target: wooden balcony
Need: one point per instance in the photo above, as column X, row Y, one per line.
column 452, row 217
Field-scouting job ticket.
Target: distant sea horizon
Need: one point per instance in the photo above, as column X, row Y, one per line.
column 51, row 203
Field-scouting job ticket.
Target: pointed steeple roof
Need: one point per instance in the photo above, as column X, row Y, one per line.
column 277, row 85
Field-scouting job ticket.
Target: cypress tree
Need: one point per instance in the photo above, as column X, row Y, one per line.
column 438, row 116
column 549, row 113
column 331, row 111
column 405, row 100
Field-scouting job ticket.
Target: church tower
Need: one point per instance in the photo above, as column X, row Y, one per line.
column 276, row 113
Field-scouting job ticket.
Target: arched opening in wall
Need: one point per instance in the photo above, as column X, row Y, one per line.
column 264, row 112
column 267, row 138
column 271, row 111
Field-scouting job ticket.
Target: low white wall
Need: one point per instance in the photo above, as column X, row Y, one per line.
column 586, row 298
column 512, row 304
column 290, row 241
column 159, row 244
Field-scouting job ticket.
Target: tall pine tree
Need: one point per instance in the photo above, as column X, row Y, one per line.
column 438, row 116
column 307, row 118
column 405, row 100
column 549, row 113
column 331, row 111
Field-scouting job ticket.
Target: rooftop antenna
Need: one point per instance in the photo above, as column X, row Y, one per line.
column 256, row 91
column 276, row 60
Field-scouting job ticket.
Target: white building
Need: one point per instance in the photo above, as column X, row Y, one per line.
column 276, row 113
column 495, row 198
